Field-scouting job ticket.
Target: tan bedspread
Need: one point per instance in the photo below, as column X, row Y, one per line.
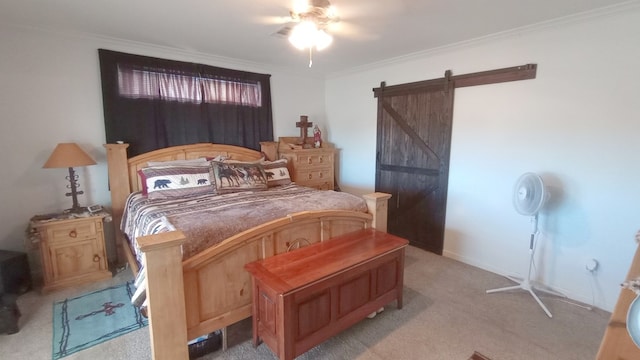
column 206, row 220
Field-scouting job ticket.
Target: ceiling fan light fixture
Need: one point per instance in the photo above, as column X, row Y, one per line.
column 322, row 40
column 303, row 35
column 306, row 35
column 312, row 17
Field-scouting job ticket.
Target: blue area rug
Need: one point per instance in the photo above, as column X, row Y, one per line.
column 89, row 319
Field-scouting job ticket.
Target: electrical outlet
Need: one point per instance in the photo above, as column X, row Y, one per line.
column 591, row 265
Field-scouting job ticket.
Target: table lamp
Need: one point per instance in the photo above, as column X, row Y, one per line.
column 68, row 155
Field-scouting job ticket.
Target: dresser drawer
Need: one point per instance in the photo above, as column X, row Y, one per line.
column 310, row 167
column 74, row 231
column 320, row 185
column 313, row 174
column 314, row 160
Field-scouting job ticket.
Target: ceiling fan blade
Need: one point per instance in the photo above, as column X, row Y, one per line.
column 284, row 31
column 320, row 3
column 273, row 20
column 362, row 9
column 349, row 30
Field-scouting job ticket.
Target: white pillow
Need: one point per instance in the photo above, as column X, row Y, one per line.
column 190, row 162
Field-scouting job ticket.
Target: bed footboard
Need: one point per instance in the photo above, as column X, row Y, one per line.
column 216, row 291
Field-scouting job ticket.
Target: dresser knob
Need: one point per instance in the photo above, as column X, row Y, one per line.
column 320, row 175
column 73, row 233
column 310, row 176
column 320, row 159
column 309, row 160
column 96, row 258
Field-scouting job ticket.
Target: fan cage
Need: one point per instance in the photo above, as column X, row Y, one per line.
column 528, row 194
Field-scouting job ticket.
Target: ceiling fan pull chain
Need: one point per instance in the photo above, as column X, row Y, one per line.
column 310, row 56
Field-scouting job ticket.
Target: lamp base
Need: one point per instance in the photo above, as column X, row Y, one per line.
column 73, row 185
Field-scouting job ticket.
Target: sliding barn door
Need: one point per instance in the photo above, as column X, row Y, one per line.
column 413, row 146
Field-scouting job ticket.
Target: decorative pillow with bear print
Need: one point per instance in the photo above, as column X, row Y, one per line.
column 191, row 162
column 276, row 172
column 166, row 182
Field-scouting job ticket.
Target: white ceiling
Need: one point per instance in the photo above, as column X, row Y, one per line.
column 369, row 31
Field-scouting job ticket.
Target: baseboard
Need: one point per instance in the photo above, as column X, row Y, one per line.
column 581, row 301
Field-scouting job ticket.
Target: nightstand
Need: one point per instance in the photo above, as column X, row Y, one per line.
column 72, row 249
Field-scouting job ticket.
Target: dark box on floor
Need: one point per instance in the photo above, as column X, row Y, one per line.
column 205, row 345
column 15, row 277
column 9, row 314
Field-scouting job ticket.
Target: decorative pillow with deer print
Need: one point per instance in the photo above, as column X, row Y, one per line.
column 234, row 176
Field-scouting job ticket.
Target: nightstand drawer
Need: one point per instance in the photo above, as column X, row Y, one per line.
column 76, row 259
column 74, row 231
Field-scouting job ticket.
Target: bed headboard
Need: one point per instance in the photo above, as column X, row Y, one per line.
column 123, row 171
column 187, row 152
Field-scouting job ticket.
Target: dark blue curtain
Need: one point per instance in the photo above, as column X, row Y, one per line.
column 148, row 124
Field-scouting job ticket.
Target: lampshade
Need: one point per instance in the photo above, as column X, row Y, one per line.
column 68, row 155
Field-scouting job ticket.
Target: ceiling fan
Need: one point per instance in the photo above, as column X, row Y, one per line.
column 308, row 23
column 320, row 12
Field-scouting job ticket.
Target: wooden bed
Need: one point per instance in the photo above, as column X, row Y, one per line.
column 211, row 290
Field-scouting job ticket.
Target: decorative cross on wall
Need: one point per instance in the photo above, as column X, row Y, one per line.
column 304, row 124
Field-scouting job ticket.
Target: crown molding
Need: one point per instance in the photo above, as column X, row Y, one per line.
column 604, row 12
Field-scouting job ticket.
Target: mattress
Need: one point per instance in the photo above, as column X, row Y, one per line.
column 209, row 219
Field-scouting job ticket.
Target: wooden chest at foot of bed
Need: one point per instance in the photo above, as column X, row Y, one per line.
column 306, row 296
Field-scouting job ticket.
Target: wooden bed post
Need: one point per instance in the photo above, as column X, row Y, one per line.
column 378, row 206
column 120, row 189
column 270, row 149
column 165, row 295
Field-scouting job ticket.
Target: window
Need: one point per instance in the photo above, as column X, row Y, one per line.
column 152, row 103
column 151, row 84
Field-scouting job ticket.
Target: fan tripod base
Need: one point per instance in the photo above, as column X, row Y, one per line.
column 524, row 285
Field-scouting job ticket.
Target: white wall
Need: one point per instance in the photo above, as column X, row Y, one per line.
column 51, row 93
column 576, row 124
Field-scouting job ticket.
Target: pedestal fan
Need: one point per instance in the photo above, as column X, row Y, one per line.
column 529, row 196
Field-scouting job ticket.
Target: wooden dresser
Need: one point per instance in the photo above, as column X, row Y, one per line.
column 304, row 297
column 313, row 167
column 616, row 343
